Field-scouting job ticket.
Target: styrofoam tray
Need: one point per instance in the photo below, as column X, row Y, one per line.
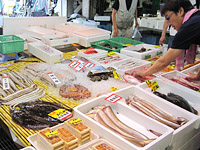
column 176, row 73
column 180, row 135
column 191, row 69
column 118, row 65
column 70, row 27
column 131, row 118
column 132, row 51
column 104, row 64
column 33, row 138
column 57, row 40
column 100, row 51
column 28, row 148
column 94, row 142
column 45, row 52
column 39, row 32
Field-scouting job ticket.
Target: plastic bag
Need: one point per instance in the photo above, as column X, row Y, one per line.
column 136, row 34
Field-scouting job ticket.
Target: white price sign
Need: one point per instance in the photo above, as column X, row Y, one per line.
column 5, row 81
column 65, row 116
column 77, row 65
column 54, row 78
column 113, row 98
column 89, row 65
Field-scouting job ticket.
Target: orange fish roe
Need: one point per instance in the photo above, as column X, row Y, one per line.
column 53, row 139
column 66, row 135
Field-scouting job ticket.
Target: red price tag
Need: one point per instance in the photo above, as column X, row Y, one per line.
column 113, row 98
column 74, row 64
column 5, row 82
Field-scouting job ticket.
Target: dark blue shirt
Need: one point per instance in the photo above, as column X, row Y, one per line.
column 128, row 4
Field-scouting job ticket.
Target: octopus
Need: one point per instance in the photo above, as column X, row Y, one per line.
column 75, row 91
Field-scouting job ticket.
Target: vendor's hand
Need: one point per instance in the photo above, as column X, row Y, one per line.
column 162, row 40
column 139, row 73
column 192, row 76
column 115, row 33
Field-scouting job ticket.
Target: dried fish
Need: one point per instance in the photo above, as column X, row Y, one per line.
column 11, row 75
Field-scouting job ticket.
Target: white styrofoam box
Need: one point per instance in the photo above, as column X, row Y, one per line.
column 132, row 51
column 98, row 141
column 100, row 51
column 33, row 138
column 180, row 135
column 167, row 87
column 175, row 73
column 70, row 27
column 91, row 35
column 130, row 117
column 39, row 32
column 192, row 69
column 27, row 39
column 102, row 18
column 106, row 63
column 57, row 40
column 148, row 22
column 45, row 52
column 123, row 66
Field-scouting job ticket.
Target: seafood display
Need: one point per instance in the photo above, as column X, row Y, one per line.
column 102, row 146
column 143, row 50
column 105, row 59
column 155, row 112
column 128, row 64
column 34, row 114
column 106, row 117
column 109, row 46
column 186, row 83
column 75, row 91
column 98, row 75
column 90, row 51
column 43, row 71
column 177, row 100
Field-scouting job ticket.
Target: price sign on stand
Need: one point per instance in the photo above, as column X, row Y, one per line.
column 78, row 65
column 5, row 82
column 89, row 65
column 75, row 121
column 54, row 78
column 52, row 133
column 152, row 85
column 113, row 98
column 118, row 76
column 60, row 114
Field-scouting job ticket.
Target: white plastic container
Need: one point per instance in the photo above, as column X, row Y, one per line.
column 192, row 69
column 98, row 59
column 180, row 135
column 132, row 51
column 175, row 73
column 39, row 32
column 99, row 51
column 33, row 138
column 95, row 142
column 91, row 35
column 27, row 39
column 57, row 40
column 131, row 118
column 28, row 148
column 45, row 52
column 123, row 66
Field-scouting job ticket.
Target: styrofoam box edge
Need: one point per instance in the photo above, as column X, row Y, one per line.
column 190, row 69
column 161, row 142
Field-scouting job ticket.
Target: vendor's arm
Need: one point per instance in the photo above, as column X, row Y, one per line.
column 161, row 63
column 162, row 38
column 136, row 20
column 114, row 22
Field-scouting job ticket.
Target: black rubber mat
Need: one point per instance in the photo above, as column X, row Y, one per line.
column 5, row 142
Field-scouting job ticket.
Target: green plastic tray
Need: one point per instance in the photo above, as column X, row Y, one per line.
column 124, row 41
column 116, row 47
column 11, row 44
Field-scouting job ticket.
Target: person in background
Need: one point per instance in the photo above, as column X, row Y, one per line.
column 182, row 16
column 123, row 15
column 42, row 6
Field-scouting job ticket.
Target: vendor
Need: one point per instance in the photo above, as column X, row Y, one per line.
column 123, row 15
column 181, row 15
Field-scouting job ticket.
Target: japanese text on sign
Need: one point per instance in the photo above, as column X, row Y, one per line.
column 60, row 114
column 75, row 121
column 113, row 98
column 152, row 85
column 52, row 133
column 54, row 78
column 5, row 82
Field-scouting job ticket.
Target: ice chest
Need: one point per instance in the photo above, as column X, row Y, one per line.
column 182, row 134
column 131, row 118
column 132, row 51
column 11, row 44
column 45, row 52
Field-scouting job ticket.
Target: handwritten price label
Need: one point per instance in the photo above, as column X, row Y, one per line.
column 78, row 65
column 5, row 81
column 75, row 121
column 60, row 114
column 54, row 78
column 89, row 65
column 116, row 75
column 52, row 133
column 111, row 53
column 152, row 85
column 113, row 98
